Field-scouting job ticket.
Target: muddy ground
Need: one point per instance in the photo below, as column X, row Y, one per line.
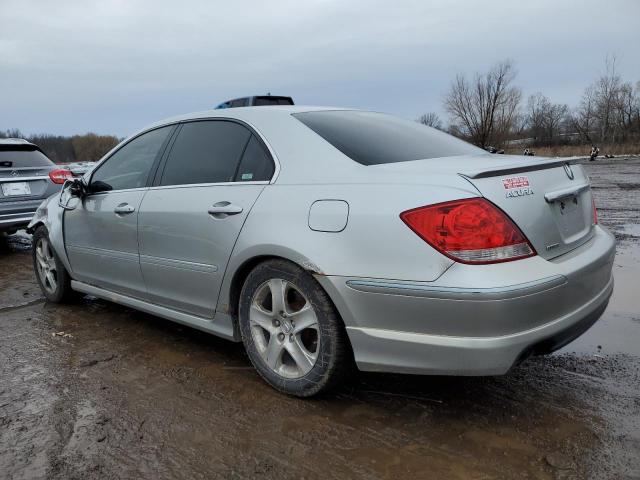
column 95, row 390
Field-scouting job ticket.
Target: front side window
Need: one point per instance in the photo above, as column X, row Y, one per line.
column 130, row 166
column 205, row 152
column 375, row 138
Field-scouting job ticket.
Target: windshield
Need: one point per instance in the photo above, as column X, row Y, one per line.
column 375, row 138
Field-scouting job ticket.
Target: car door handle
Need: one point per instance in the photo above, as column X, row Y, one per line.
column 224, row 209
column 124, row 209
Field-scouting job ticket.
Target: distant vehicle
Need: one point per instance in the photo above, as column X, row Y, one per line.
column 257, row 101
column 365, row 237
column 494, row 150
column 27, row 177
column 529, row 153
column 77, row 168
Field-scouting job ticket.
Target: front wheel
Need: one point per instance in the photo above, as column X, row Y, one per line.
column 291, row 331
column 53, row 278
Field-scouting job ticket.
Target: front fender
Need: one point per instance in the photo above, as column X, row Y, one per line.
column 50, row 215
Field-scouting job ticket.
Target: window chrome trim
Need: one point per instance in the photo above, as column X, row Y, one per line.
column 252, row 127
column 212, row 184
column 106, row 192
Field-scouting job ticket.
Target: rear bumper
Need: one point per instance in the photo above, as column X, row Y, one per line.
column 17, row 214
column 13, row 221
column 451, row 327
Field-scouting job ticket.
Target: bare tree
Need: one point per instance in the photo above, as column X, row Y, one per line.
column 610, row 108
column 607, row 89
column 583, row 118
column 484, row 110
column 537, row 105
column 431, row 119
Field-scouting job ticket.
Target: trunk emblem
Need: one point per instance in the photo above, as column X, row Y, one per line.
column 568, row 171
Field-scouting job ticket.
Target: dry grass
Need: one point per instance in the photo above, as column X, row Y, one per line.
column 579, row 150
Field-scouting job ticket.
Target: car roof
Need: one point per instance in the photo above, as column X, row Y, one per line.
column 18, row 144
column 14, row 141
column 242, row 113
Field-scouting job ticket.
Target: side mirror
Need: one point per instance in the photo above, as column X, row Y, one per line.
column 72, row 191
column 76, row 187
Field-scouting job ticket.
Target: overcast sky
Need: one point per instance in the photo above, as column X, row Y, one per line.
column 112, row 66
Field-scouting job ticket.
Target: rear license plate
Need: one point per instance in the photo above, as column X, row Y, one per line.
column 15, row 188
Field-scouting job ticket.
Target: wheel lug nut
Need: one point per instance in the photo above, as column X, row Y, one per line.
column 281, row 337
column 291, row 337
column 277, row 323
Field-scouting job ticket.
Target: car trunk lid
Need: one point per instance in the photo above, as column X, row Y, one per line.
column 550, row 200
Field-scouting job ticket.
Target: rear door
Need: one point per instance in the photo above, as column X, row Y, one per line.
column 550, row 201
column 101, row 235
column 190, row 220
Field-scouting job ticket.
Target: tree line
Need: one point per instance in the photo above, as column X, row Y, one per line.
column 89, row 147
column 488, row 110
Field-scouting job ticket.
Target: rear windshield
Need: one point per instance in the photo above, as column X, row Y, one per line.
column 23, row 158
column 375, row 138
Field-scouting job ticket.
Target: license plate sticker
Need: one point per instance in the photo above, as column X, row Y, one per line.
column 15, row 188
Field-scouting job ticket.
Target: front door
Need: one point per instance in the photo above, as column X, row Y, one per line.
column 101, row 234
column 190, row 220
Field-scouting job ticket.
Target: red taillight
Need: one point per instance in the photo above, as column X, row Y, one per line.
column 59, row 176
column 469, row 231
column 595, row 211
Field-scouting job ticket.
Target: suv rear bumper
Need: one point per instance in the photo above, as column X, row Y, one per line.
column 13, row 221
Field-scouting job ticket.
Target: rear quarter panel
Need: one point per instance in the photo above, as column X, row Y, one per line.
column 374, row 244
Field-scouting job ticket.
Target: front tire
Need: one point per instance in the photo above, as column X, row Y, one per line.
column 53, row 278
column 291, row 331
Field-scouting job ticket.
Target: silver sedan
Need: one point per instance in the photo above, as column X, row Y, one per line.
column 326, row 238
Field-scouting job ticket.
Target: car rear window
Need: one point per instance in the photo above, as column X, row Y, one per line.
column 374, row 138
column 21, row 158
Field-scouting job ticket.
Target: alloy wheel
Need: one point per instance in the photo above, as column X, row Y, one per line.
column 46, row 265
column 284, row 328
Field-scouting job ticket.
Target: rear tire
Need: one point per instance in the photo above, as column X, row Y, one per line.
column 291, row 331
column 53, row 278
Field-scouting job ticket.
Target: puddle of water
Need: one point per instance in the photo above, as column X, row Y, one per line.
column 632, row 229
column 618, row 330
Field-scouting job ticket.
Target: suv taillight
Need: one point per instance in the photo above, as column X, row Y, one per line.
column 59, row 176
column 472, row 230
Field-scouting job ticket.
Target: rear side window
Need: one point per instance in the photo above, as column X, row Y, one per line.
column 256, row 164
column 22, row 158
column 205, row 152
column 375, row 138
